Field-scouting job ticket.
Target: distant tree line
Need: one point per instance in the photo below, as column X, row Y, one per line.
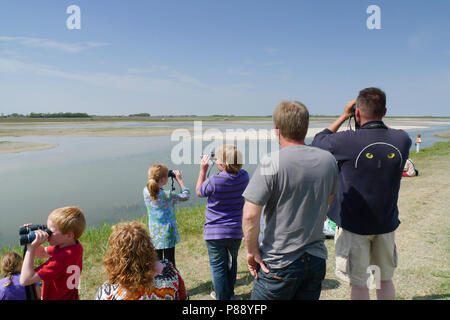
column 144, row 114
column 59, row 115
column 48, row 115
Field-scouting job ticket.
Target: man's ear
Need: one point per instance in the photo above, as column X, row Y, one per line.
column 384, row 113
column 358, row 115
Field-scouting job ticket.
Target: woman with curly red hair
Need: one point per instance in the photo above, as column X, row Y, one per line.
column 134, row 273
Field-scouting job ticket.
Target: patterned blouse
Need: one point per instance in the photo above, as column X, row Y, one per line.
column 166, row 286
column 162, row 223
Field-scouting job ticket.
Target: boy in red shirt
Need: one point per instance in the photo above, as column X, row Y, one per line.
column 61, row 272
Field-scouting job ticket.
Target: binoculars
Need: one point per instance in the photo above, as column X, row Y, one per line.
column 27, row 234
column 357, row 126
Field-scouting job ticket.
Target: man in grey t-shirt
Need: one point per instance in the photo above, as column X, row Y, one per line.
column 294, row 186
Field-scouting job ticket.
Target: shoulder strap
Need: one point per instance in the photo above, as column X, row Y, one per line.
column 30, row 290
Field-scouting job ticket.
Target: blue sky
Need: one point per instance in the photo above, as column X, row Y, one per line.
column 222, row 57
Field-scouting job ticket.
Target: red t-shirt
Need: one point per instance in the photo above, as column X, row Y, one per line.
column 61, row 273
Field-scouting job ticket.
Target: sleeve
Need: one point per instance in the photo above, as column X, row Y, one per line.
column 146, row 195
column 324, row 140
column 52, row 269
column 261, row 185
column 50, row 250
column 333, row 142
column 207, row 188
column 179, row 197
column 182, row 293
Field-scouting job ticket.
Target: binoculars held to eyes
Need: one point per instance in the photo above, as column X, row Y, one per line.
column 27, row 234
column 354, row 117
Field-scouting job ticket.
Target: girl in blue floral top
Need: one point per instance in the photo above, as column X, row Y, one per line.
column 161, row 210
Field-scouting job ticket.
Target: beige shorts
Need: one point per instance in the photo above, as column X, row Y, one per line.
column 359, row 256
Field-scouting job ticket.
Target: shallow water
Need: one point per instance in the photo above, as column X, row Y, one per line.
column 105, row 176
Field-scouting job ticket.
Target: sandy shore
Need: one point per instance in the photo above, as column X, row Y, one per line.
column 17, row 147
column 445, row 134
column 210, row 134
column 93, row 132
column 206, row 134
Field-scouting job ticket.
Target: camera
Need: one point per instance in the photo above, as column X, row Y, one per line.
column 212, row 156
column 27, row 234
column 171, row 174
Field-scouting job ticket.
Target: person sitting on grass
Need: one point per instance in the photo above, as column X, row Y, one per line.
column 223, row 217
column 61, row 272
column 410, row 169
column 134, row 273
column 160, row 205
column 10, row 288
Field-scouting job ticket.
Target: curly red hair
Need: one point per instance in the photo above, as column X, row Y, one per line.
column 130, row 258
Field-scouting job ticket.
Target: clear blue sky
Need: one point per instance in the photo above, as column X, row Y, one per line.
column 222, row 57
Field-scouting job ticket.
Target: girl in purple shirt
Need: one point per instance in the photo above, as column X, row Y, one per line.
column 223, row 216
column 10, row 288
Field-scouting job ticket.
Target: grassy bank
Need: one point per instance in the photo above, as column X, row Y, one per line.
column 423, row 242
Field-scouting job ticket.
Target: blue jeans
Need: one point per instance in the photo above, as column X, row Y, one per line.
column 223, row 274
column 301, row 280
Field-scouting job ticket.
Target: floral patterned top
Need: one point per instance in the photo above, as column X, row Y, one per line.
column 166, row 286
column 162, row 223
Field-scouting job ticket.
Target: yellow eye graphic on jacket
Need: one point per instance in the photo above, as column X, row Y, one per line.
column 379, row 155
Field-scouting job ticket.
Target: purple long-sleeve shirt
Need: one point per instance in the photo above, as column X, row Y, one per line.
column 223, row 214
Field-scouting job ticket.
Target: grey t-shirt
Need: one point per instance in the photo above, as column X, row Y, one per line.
column 294, row 185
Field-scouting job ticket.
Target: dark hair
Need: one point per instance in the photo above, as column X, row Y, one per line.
column 372, row 102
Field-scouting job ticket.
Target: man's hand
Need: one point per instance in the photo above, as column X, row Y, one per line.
column 334, row 127
column 348, row 109
column 250, row 226
column 253, row 260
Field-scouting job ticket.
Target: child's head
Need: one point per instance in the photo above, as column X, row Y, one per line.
column 130, row 258
column 10, row 264
column 230, row 158
column 419, row 135
column 157, row 174
column 67, row 225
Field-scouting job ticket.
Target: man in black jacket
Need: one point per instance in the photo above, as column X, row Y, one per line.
column 371, row 161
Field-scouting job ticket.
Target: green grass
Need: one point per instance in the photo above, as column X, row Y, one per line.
column 439, row 149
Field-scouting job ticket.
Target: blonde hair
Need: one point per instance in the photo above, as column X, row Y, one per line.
column 230, row 158
column 130, row 258
column 69, row 219
column 155, row 173
column 292, row 119
column 11, row 264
